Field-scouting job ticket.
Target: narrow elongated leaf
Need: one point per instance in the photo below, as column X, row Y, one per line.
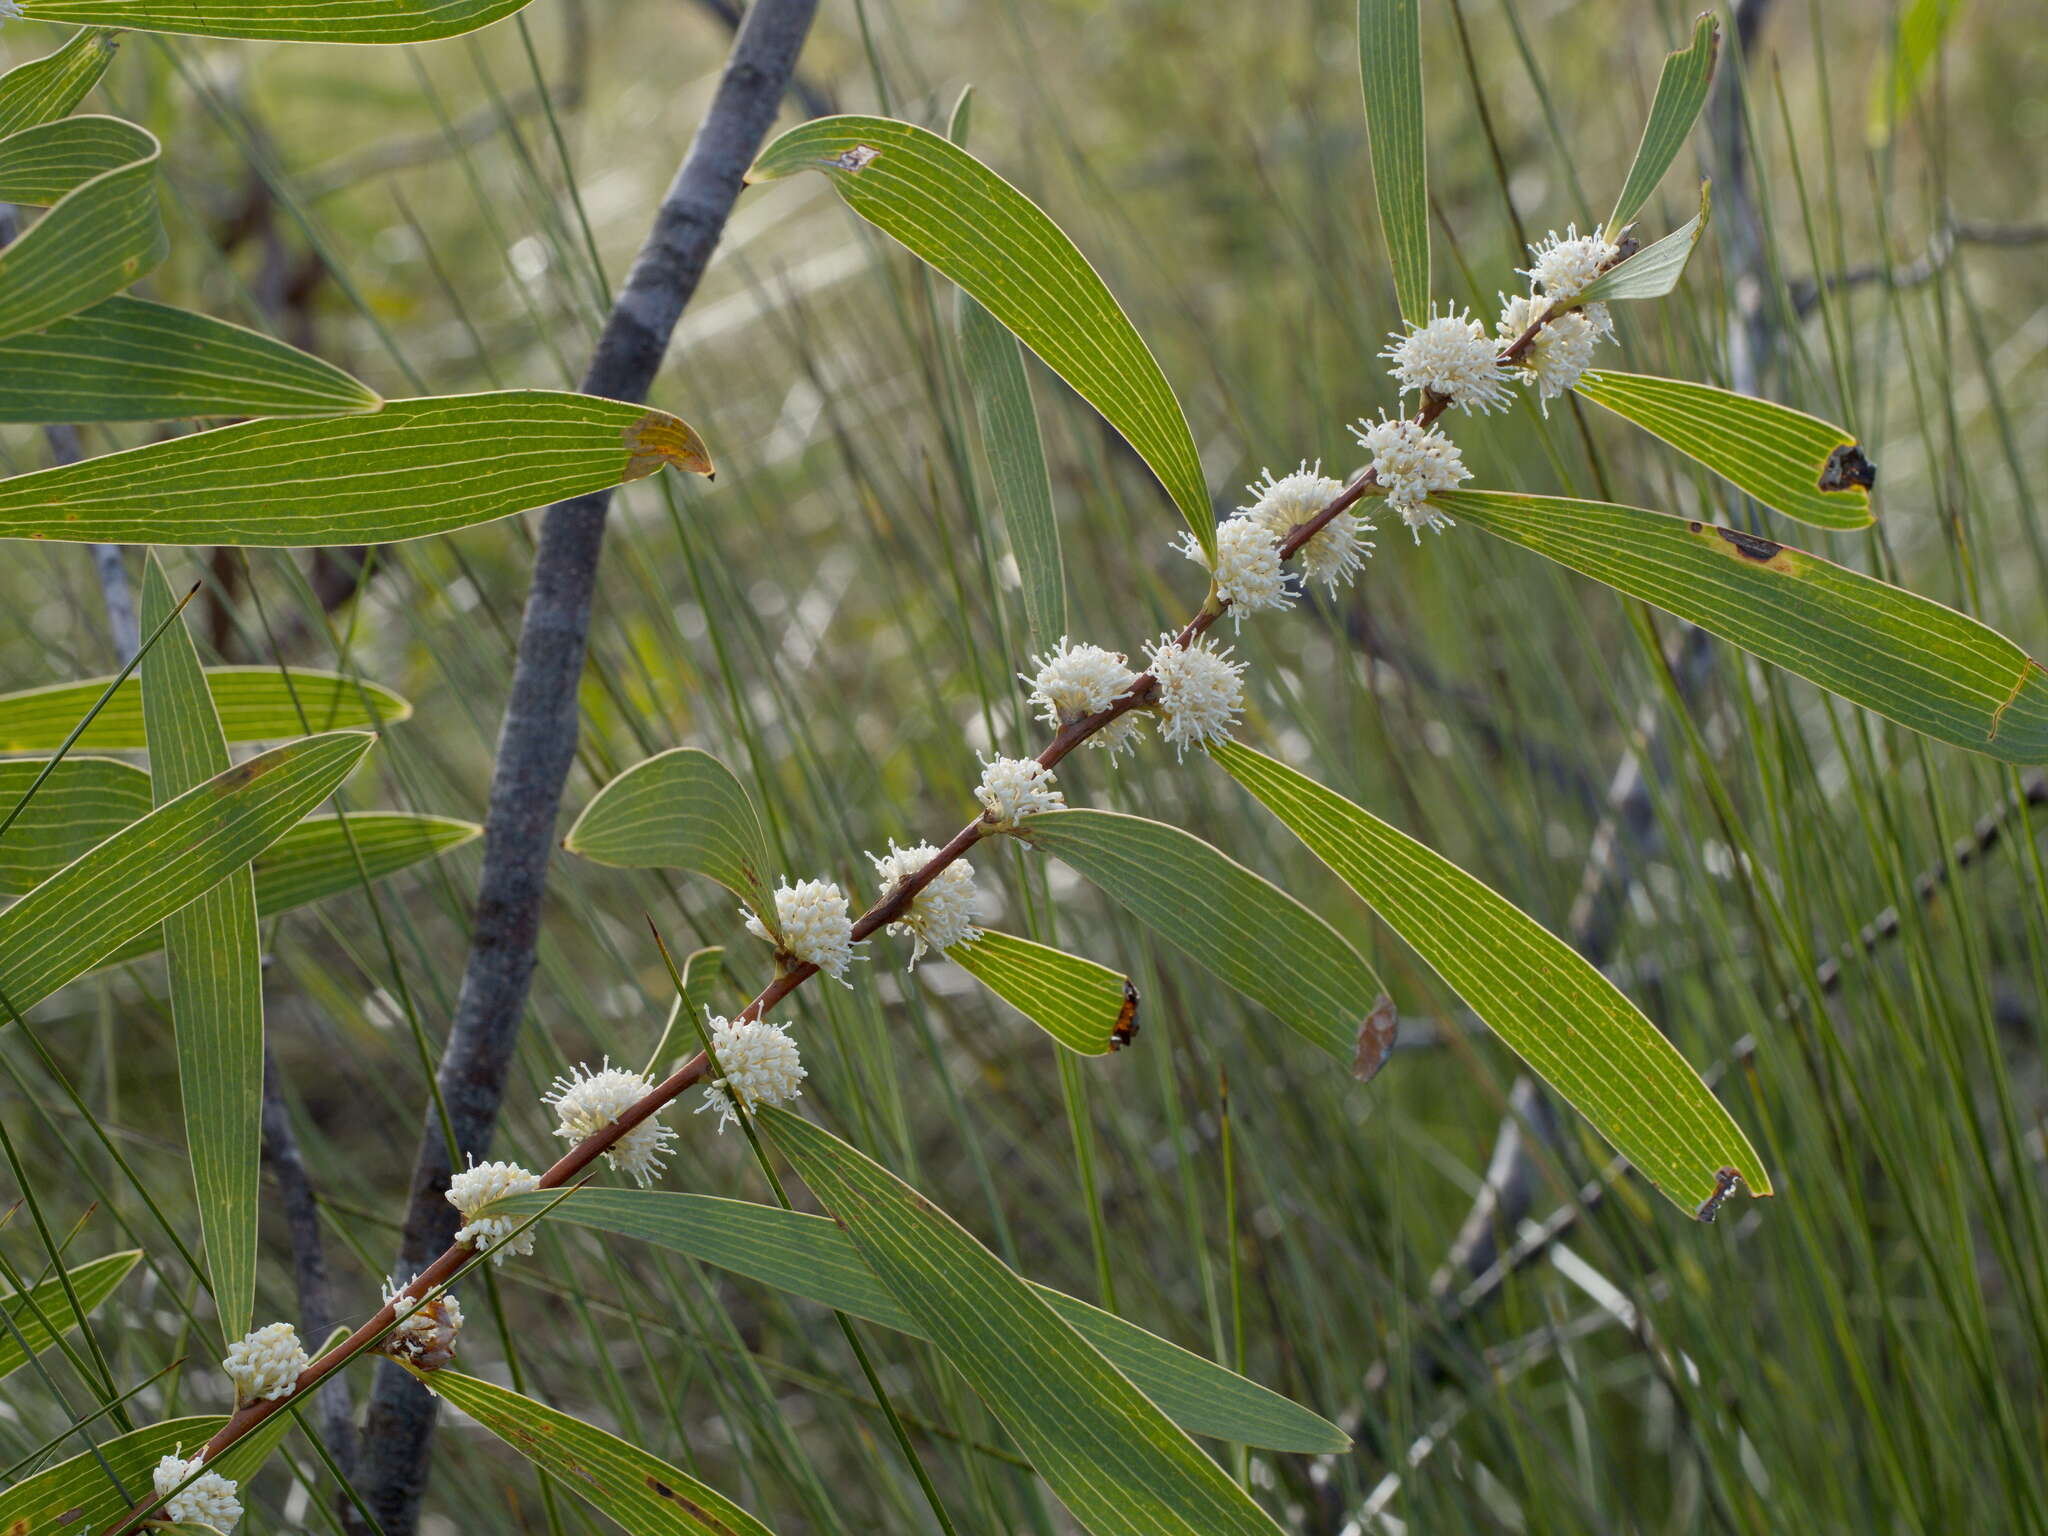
column 1390, row 66
column 1551, row 1005
column 414, row 468
column 253, row 703
column 216, row 972
column 288, row 21
column 129, row 360
column 642, row 1492
column 1681, row 92
column 85, row 801
column 74, row 1497
column 680, row 809
column 1236, row 924
column 810, row 1256
column 141, row 875
column 1086, row 1007
column 954, row 212
column 103, row 230
column 1119, row 1464
column 45, row 89
column 46, row 1306
column 312, row 861
column 1791, row 462
column 1654, row 270
column 1904, row 656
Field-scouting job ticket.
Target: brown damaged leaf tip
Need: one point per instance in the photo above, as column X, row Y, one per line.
column 1725, row 1184
column 1125, row 1030
column 659, row 439
column 1848, row 469
column 1376, row 1039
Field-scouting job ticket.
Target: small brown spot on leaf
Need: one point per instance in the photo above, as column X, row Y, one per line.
column 1376, row 1039
column 1697, row 527
column 657, row 439
column 1749, row 546
column 662, row 1490
column 1725, row 1183
column 858, row 158
column 1847, row 469
column 1125, row 1030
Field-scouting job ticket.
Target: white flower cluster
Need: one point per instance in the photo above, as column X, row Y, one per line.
column 816, row 926
column 1281, row 505
column 265, row 1363
column 759, row 1063
column 426, row 1331
column 1565, row 265
column 1072, row 682
column 209, row 1499
column 1563, row 350
column 1453, row 358
column 942, row 914
column 476, row 1187
column 585, row 1102
column 1200, row 692
column 1410, row 463
column 1246, row 569
column 1012, row 788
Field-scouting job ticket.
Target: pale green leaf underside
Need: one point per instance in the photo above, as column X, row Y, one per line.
column 46, row 1307
column 1077, row 1002
column 1390, row 67
column 641, row 1491
column 129, row 360
column 254, row 704
column 1782, row 457
column 1559, row 1014
column 971, row 225
column 680, row 809
column 1654, row 270
column 809, row 1256
column 415, row 468
column 286, row 21
column 1681, row 92
column 137, row 878
column 1119, row 1464
column 45, row 89
column 1906, row 657
column 83, row 802
column 103, row 230
column 1224, row 917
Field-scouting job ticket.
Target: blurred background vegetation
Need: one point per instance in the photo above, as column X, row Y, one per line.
column 836, row 617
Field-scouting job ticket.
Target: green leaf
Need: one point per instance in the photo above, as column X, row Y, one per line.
column 129, row 360
column 1681, row 93
column 216, row 972
column 1791, row 462
column 1390, row 66
column 254, row 704
column 85, row 801
column 642, row 1492
column 45, row 89
column 74, row 1497
column 1923, row 27
column 137, row 878
column 46, row 1306
column 1119, row 1464
column 1548, row 1002
column 1086, row 1007
column 103, row 230
column 680, row 809
column 312, row 861
column 975, row 228
column 414, row 468
column 285, row 21
column 810, row 1256
column 1654, row 270
column 1904, row 656
column 1225, row 918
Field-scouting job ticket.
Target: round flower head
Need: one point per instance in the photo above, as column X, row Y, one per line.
column 816, row 927
column 476, row 1187
column 1072, row 682
column 942, row 914
column 1247, row 567
column 426, row 1331
column 1200, row 692
column 1012, row 788
column 1451, row 356
column 585, row 1102
column 1565, row 264
column 1282, row 505
column 265, row 1363
column 1561, row 351
column 1410, row 463
column 209, row 1499
column 759, row 1062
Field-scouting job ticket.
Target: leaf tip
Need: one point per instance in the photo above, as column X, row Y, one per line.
column 658, row 439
